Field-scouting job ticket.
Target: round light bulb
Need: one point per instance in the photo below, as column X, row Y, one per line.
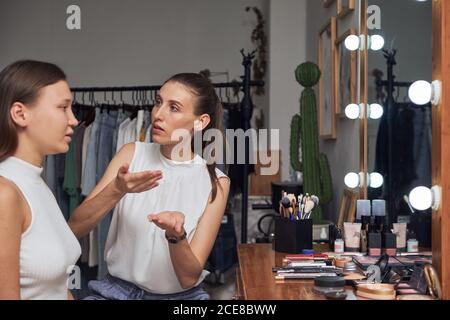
column 375, row 111
column 376, row 42
column 421, row 198
column 351, row 180
column 420, row 92
column 352, row 111
column 376, row 180
column 352, row 42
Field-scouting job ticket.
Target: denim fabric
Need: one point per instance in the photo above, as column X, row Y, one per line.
column 54, row 176
column 112, row 288
column 120, row 118
column 107, row 126
column 89, row 174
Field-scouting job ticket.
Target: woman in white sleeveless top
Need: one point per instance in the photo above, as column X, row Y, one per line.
column 167, row 211
column 38, row 250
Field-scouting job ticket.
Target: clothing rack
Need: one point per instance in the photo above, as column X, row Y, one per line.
column 389, row 104
column 246, row 108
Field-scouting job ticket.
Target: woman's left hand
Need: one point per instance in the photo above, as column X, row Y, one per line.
column 171, row 221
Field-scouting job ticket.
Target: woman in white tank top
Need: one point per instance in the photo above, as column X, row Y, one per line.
column 38, row 249
column 168, row 204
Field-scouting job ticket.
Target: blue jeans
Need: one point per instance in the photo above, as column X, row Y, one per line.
column 107, row 126
column 112, row 288
column 90, row 166
column 121, row 117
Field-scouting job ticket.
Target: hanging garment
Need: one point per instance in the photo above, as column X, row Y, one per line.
column 72, row 169
column 234, row 120
column 89, row 173
column 107, row 126
column 86, row 138
column 130, row 132
column 54, row 176
column 121, row 117
column 139, row 123
column 121, row 134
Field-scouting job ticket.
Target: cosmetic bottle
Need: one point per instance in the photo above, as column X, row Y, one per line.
column 389, row 243
column 379, row 212
column 363, row 216
column 374, row 244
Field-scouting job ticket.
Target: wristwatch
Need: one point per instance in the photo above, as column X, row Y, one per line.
column 175, row 239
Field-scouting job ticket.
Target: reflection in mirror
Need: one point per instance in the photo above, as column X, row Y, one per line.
column 399, row 143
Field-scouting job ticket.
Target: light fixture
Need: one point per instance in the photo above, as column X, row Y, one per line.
column 352, row 42
column 375, row 111
column 423, row 198
column 421, row 92
column 375, row 180
column 376, row 42
column 352, row 180
column 353, row 111
column 355, row 180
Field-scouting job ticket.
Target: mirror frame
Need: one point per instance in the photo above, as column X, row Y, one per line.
column 441, row 138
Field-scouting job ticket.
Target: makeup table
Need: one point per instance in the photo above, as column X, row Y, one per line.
column 255, row 280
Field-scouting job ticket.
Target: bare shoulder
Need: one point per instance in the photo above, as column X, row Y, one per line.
column 11, row 202
column 126, row 152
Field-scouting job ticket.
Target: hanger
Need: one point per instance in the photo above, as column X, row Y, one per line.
column 135, row 107
column 227, row 95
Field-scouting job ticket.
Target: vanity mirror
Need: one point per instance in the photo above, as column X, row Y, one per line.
column 399, row 143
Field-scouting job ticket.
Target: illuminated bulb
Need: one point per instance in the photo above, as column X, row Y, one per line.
column 351, row 180
column 421, row 198
column 375, row 111
column 376, row 42
column 421, row 92
column 352, row 42
column 352, row 111
column 375, row 180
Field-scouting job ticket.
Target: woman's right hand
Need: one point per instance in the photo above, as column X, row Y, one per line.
column 127, row 182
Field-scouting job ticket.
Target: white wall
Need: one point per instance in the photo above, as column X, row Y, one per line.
column 287, row 50
column 133, row 42
column 342, row 153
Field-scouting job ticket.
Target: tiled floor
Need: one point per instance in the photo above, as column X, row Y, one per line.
column 223, row 291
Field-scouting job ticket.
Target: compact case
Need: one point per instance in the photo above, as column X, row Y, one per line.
column 324, row 285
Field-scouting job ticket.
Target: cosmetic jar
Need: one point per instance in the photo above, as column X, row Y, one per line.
column 413, row 245
column 339, row 246
column 350, row 267
column 325, row 284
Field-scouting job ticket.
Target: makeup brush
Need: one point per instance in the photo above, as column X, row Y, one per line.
column 309, row 206
column 315, row 199
column 406, row 198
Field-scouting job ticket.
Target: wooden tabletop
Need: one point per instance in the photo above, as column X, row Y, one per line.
column 256, row 281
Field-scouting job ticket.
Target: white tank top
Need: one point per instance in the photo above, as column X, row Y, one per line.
column 136, row 249
column 48, row 248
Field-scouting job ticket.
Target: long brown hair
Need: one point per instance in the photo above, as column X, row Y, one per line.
column 21, row 82
column 207, row 102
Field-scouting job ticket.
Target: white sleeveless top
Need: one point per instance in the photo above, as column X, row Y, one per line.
column 48, row 248
column 136, row 249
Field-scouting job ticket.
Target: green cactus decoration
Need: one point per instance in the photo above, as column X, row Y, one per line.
column 304, row 127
